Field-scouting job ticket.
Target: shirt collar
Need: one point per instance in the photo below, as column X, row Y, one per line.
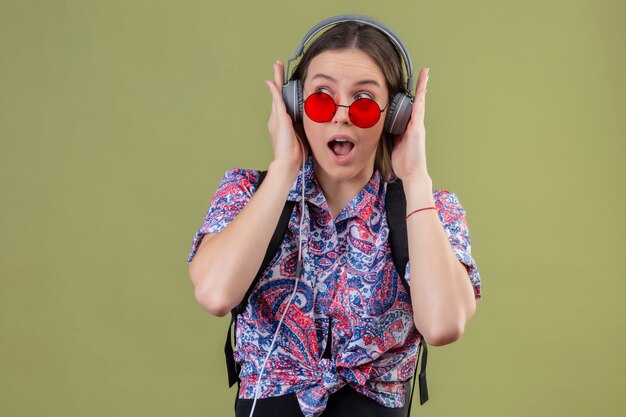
column 312, row 191
column 362, row 205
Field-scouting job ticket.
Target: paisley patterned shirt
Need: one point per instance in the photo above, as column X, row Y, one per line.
column 349, row 287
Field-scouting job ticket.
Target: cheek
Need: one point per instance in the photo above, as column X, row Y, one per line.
column 312, row 130
column 375, row 136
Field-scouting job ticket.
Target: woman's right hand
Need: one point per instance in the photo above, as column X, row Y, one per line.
column 285, row 141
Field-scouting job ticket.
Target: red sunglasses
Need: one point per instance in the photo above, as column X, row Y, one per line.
column 321, row 108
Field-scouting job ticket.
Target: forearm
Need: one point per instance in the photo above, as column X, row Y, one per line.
column 224, row 266
column 441, row 292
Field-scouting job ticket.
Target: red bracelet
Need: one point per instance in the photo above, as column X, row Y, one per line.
column 413, row 212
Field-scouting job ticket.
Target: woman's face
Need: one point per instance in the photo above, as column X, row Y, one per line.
column 342, row 150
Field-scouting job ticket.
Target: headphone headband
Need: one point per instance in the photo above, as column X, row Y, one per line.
column 360, row 19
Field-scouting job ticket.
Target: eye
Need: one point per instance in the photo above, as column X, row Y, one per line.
column 363, row 94
column 323, row 90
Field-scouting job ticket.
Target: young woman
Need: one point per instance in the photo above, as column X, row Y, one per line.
column 329, row 329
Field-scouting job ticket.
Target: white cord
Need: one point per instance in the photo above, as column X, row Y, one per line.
column 298, row 272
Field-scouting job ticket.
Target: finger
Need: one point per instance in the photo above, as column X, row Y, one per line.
column 279, row 109
column 275, row 95
column 278, row 74
column 273, row 90
column 277, row 87
column 420, row 96
column 423, row 78
column 421, row 84
column 420, row 106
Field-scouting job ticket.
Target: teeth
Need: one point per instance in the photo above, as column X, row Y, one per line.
column 341, row 140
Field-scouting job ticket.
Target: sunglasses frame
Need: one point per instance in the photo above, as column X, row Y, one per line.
column 380, row 111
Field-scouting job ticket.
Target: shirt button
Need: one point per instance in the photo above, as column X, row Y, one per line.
column 322, row 287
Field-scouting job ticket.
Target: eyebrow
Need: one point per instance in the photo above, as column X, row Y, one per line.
column 358, row 83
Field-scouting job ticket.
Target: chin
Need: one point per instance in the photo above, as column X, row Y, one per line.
column 343, row 172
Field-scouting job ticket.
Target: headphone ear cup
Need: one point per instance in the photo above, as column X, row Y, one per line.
column 292, row 96
column 398, row 114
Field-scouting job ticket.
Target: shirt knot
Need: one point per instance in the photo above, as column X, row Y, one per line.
column 331, row 380
column 327, row 380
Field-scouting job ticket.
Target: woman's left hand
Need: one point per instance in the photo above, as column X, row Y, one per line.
column 409, row 150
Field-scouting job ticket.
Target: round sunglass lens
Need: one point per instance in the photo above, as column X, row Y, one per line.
column 364, row 113
column 320, row 107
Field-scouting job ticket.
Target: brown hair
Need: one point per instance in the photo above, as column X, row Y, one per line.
column 381, row 49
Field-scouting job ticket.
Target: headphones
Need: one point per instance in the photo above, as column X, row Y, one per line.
column 399, row 109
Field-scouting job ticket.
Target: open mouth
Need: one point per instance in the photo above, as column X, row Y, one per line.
column 341, row 146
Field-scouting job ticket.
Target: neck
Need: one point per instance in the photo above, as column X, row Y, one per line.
column 338, row 193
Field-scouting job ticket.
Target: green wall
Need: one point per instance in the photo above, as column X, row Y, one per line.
column 118, row 119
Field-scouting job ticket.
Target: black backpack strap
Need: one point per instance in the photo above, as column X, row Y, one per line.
column 395, row 205
column 232, row 367
column 422, row 375
column 272, row 248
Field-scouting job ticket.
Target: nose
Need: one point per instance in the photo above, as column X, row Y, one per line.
column 342, row 114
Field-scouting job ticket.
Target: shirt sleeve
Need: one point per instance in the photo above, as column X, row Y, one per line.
column 232, row 195
column 453, row 219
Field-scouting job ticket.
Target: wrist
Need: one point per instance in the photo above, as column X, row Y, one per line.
column 286, row 168
column 419, row 192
